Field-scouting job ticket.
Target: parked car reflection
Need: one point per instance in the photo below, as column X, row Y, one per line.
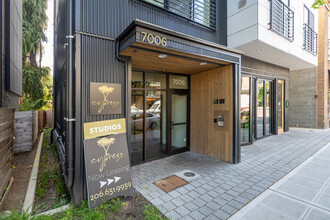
column 152, row 120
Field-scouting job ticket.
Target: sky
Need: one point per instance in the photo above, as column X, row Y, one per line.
column 47, row 59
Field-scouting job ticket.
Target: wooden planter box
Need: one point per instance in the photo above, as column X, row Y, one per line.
column 26, row 130
column 6, row 145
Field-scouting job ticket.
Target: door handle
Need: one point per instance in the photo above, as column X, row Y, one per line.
column 172, row 125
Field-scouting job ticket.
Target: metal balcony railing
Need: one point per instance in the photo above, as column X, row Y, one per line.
column 200, row 11
column 282, row 19
column 310, row 39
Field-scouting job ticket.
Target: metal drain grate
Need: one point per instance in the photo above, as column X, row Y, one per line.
column 170, row 183
column 189, row 174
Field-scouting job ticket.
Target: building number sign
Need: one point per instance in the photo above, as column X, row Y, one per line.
column 179, row 82
column 154, row 39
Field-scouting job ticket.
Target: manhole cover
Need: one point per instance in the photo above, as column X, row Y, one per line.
column 170, row 183
column 189, row 174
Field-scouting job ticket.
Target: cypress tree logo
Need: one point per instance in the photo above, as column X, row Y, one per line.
column 105, row 92
column 105, row 143
column 105, row 98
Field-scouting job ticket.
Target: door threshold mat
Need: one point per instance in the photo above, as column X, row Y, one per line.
column 170, row 183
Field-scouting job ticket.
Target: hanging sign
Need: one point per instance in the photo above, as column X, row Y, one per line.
column 105, row 98
column 108, row 173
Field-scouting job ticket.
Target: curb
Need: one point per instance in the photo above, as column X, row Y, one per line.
column 30, row 193
column 54, row 211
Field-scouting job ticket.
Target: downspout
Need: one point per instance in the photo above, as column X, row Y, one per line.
column 70, row 110
column 126, row 85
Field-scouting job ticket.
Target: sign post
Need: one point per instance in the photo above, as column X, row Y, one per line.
column 108, row 173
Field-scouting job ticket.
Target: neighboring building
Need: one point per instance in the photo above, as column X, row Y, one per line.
column 323, row 97
column 11, row 53
column 279, row 43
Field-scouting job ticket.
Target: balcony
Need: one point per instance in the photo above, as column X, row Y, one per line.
column 282, row 19
column 310, row 40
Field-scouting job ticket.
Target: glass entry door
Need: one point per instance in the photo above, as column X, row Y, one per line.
column 280, row 106
column 178, row 122
column 262, row 106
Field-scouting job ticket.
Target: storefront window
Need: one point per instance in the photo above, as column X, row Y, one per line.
column 137, row 115
column 245, row 110
column 155, row 125
column 137, row 79
column 155, row 81
column 149, row 107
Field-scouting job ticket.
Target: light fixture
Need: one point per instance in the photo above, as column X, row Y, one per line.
column 162, row 56
column 260, row 49
column 203, row 63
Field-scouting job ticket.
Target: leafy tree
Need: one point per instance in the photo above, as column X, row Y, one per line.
column 34, row 28
column 319, row 3
column 37, row 81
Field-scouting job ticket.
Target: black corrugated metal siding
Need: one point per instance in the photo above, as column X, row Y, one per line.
column 95, row 62
column 111, row 17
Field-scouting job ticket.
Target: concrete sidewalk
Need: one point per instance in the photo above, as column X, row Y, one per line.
column 304, row 193
column 220, row 189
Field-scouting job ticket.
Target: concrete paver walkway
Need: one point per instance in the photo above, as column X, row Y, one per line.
column 220, row 189
column 302, row 194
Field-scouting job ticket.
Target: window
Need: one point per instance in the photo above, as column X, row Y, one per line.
column 282, row 18
column 308, row 18
column 200, row 11
column 310, row 36
column 286, row 2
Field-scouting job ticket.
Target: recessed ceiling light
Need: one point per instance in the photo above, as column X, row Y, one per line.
column 203, row 63
column 162, row 56
column 260, row 49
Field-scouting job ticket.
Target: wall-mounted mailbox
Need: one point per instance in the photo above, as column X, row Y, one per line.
column 221, row 121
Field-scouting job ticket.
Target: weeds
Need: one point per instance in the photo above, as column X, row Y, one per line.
column 116, row 205
column 150, row 212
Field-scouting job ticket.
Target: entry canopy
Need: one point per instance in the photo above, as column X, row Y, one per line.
column 156, row 48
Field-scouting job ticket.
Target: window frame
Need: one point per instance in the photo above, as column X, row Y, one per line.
column 211, row 20
column 310, row 14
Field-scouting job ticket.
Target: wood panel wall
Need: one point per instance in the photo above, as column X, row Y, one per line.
column 206, row 137
column 26, row 130
column 6, row 145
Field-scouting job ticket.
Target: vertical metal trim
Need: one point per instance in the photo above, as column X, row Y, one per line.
column 236, row 119
column 144, row 116
column 275, row 108
column 251, row 111
column 128, row 104
column 7, row 45
column 264, row 109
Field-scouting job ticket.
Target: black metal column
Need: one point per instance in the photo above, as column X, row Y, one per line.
column 236, row 113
